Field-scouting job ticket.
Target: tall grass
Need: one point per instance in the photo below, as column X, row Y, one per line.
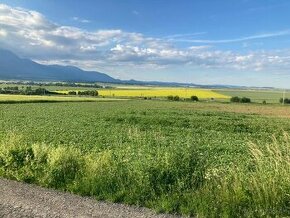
column 260, row 188
column 175, row 179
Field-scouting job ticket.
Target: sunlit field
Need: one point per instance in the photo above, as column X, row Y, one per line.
column 37, row 98
column 191, row 158
column 181, row 92
column 159, row 92
column 258, row 96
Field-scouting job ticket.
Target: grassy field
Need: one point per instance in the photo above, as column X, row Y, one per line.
column 258, row 96
column 205, row 159
column 37, row 98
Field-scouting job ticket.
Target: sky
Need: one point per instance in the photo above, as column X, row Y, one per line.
column 234, row 42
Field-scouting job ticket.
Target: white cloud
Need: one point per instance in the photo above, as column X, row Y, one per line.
column 34, row 36
column 241, row 39
column 81, row 20
column 183, row 36
column 3, row 33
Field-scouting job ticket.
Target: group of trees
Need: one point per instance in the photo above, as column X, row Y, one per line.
column 86, row 92
column 14, row 90
column 240, row 100
column 173, row 98
column 177, row 98
column 286, row 100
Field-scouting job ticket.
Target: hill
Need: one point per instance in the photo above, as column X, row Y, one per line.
column 13, row 67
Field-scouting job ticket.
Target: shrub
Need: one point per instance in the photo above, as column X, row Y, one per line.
column 286, row 100
column 245, row 100
column 72, row 92
column 194, row 98
column 240, row 100
column 176, row 98
column 89, row 92
column 170, row 97
column 235, row 99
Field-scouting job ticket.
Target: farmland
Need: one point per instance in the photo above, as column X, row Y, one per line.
column 29, row 98
column 181, row 92
column 137, row 91
column 258, row 96
column 158, row 92
column 178, row 157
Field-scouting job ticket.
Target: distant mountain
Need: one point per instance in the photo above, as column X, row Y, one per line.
column 14, row 68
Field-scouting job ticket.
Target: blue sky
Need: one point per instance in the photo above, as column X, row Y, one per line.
column 241, row 42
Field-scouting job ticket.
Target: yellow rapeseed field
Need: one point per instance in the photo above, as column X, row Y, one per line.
column 181, row 92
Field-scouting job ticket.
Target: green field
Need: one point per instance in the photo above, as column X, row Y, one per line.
column 176, row 157
column 258, row 96
column 135, row 91
column 54, row 98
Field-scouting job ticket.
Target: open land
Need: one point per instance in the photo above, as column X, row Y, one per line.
column 189, row 158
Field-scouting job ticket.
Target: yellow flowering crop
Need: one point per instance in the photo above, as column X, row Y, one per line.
column 181, row 92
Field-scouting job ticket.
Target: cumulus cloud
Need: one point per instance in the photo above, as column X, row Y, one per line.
column 32, row 35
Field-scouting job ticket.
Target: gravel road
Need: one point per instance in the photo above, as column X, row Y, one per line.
column 24, row 200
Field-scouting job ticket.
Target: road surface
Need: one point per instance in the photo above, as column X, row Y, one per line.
column 24, row 200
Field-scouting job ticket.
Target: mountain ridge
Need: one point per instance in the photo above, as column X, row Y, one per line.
column 12, row 67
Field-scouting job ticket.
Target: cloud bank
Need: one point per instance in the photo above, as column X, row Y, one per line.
column 32, row 35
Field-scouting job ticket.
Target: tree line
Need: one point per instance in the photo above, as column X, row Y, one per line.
column 177, row 98
column 15, row 90
column 86, row 92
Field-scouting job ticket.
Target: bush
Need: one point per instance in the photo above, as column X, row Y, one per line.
column 194, row 98
column 89, row 93
column 72, row 93
column 240, row 100
column 173, row 98
column 286, row 101
column 245, row 100
column 176, row 98
column 235, row 99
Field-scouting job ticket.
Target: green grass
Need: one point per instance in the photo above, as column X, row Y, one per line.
column 9, row 99
column 258, row 96
column 177, row 157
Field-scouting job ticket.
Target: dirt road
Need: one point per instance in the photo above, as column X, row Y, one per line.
column 24, row 200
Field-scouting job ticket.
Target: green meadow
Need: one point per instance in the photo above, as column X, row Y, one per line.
column 258, row 96
column 197, row 159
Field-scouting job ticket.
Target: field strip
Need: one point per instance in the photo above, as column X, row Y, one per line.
column 30, row 98
column 24, row 200
column 161, row 92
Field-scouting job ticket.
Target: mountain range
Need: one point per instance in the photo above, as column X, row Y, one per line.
column 12, row 67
